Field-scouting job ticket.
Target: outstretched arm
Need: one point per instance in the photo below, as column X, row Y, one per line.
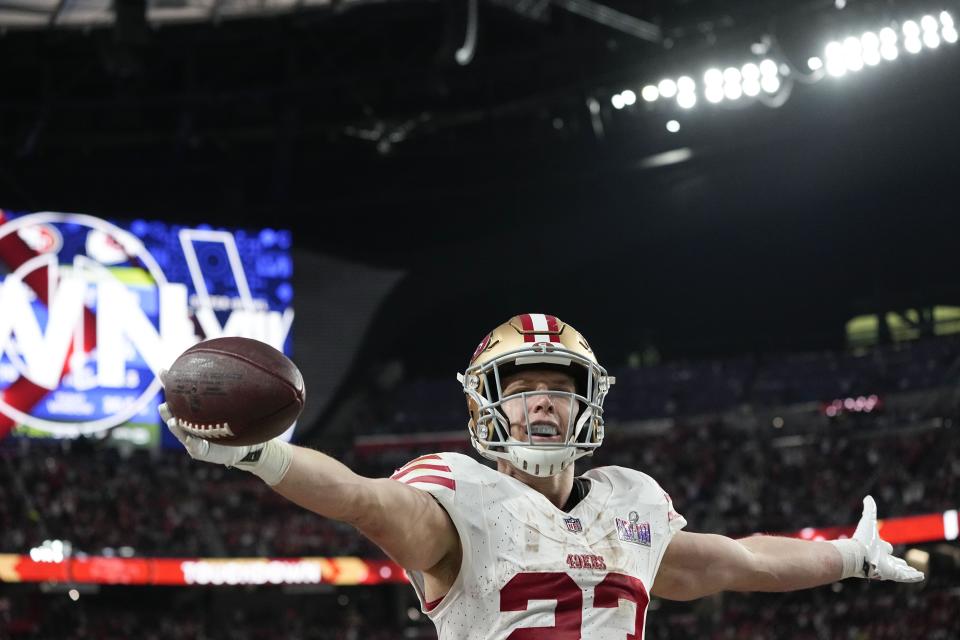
column 326, row 486
column 329, row 488
column 696, row 565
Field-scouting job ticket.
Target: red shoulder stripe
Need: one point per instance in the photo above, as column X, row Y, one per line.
column 432, row 456
column 407, row 469
column 449, row 483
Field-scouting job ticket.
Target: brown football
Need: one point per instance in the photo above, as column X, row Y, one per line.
column 234, row 391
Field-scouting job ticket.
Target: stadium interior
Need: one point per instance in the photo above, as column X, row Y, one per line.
column 765, row 259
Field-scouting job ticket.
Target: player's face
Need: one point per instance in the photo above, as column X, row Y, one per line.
column 548, row 415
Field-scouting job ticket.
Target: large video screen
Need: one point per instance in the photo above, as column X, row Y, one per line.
column 91, row 310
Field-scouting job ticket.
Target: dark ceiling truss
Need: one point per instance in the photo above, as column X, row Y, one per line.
column 38, row 14
column 386, row 103
column 612, row 18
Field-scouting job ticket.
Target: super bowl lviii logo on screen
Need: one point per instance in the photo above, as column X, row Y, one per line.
column 91, row 311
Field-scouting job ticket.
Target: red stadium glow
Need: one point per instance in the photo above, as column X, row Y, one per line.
column 347, row 570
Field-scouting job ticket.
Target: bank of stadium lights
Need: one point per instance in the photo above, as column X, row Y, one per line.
column 732, row 83
column 767, row 76
column 853, row 53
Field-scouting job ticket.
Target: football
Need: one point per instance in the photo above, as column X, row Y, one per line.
column 234, row 391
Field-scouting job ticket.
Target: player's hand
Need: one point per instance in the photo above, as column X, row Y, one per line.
column 879, row 563
column 198, row 448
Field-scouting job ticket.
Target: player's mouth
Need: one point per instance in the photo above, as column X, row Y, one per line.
column 545, row 432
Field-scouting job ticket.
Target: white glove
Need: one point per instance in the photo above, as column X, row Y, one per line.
column 270, row 460
column 200, row 449
column 867, row 555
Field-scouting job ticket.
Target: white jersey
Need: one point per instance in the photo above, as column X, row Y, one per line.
column 532, row 571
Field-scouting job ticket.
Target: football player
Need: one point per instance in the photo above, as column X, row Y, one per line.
column 529, row 549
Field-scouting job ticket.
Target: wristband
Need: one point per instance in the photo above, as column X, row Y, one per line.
column 854, row 557
column 270, row 462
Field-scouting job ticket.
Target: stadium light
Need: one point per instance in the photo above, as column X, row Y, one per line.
column 686, row 92
column 769, row 68
column 673, row 126
column 51, row 551
column 848, row 54
column 687, row 100
column 770, row 84
column 667, row 88
column 732, row 91
column 870, row 49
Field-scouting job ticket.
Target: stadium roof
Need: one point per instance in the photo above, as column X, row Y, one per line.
column 754, row 221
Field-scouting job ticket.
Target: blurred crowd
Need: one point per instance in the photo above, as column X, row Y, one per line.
column 851, row 610
column 723, row 479
column 755, row 452
column 728, row 472
column 196, row 613
column 684, row 388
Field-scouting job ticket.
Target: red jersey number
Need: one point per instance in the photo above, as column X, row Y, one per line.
column 568, row 615
column 524, row 587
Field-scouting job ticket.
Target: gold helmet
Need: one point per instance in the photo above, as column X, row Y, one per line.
column 537, row 341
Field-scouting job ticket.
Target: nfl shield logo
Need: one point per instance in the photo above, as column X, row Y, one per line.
column 573, row 524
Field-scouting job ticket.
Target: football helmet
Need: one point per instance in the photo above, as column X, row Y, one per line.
column 536, row 341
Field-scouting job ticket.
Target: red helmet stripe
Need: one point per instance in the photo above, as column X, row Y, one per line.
column 527, row 323
column 554, row 327
column 539, row 327
column 541, row 324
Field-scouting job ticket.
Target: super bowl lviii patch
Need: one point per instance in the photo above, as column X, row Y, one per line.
column 633, row 530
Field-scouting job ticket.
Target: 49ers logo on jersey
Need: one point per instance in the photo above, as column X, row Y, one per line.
column 586, row 561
